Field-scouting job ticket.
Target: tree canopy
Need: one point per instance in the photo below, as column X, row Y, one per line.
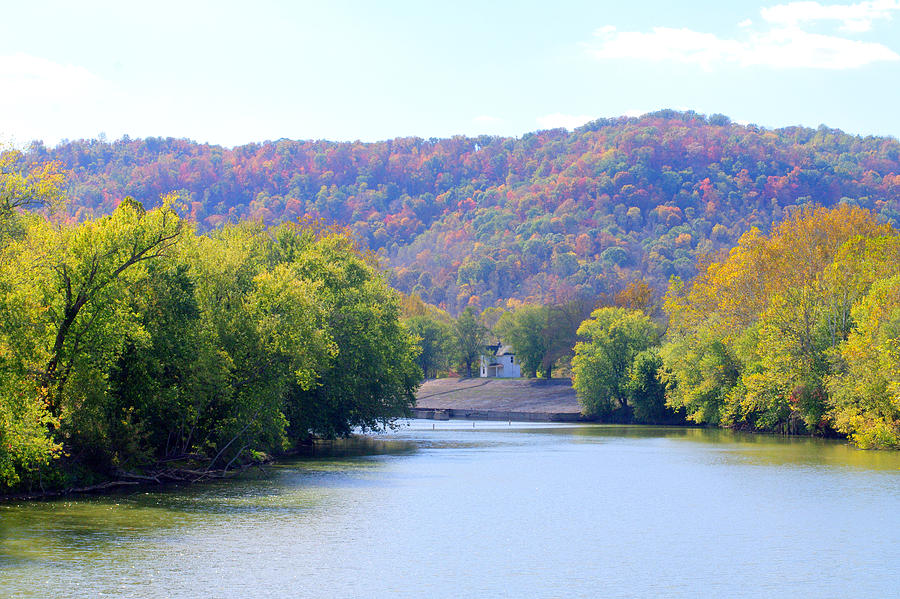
column 128, row 341
column 604, row 362
column 539, row 219
column 469, row 337
column 768, row 337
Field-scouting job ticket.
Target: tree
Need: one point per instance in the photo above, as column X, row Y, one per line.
column 25, row 443
column 169, row 375
column 468, row 338
column 541, row 335
column 603, row 362
column 25, row 188
column 646, row 389
column 526, row 330
column 865, row 392
column 90, row 268
column 434, row 339
column 127, row 342
column 371, row 378
column 700, row 373
column 562, row 330
column 750, row 340
column 638, row 295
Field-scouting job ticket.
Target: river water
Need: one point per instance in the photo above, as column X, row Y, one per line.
column 497, row 510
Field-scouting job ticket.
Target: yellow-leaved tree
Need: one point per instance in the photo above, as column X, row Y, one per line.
column 751, row 338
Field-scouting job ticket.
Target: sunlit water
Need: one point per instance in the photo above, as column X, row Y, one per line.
column 490, row 511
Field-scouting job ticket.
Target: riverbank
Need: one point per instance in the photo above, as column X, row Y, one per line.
column 526, row 400
column 156, row 477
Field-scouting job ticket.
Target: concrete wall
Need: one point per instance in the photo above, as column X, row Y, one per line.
column 438, row 414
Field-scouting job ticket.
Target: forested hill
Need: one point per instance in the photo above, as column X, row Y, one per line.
column 475, row 221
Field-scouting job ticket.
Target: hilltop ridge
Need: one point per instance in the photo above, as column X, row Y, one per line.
column 545, row 217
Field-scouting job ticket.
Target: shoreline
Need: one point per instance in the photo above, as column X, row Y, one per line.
column 476, row 414
column 525, row 400
column 127, row 482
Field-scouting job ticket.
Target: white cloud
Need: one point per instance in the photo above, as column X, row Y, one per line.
column 853, row 18
column 28, row 78
column 745, row 23
column 786, row 46
column 565, row 121
column 50, row 101
column 665, row 43
column 794, row 48
column 47, row 100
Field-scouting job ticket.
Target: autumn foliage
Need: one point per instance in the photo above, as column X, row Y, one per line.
column 794, row 331
column 542, row 218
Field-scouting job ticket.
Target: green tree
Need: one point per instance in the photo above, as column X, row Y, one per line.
column 164, row 382
column 164, row 345
column 541, row 335
column 646, row 389
column 22, row 188
column 25, row 444
column 371, row 378
column 468, row 339
column 90, row 268
column 701, row 373
column 865, row 390
column 434, row 339
column 603, row 363
column 526, row 330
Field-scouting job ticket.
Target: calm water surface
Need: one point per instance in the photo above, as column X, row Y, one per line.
column 494, row 511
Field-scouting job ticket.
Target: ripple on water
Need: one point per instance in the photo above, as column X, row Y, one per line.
column 503, row 509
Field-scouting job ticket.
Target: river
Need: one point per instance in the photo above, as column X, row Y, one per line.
column 488, row 510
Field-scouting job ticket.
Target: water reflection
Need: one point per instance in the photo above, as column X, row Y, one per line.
column 358, row 445
column 495, row 509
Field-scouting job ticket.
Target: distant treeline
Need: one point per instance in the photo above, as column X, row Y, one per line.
column 796, row 332
column 544, row 218
column 793, row 332
column 129, row 342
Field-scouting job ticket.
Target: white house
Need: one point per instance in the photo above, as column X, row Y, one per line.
column 500, row 362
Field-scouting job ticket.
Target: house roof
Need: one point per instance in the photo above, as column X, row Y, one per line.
column 498, row 349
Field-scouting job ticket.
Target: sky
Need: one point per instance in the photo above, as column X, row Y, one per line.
column 232, row 73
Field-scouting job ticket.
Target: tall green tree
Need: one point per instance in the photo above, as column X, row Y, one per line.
column 542, row 334
column 371, row 377
column 434, row 340
column 603, row 362
column 647, row 389
column 865, row 389
column 526, row 330
column 128, row 341
column 90, row 269
column 468, row 339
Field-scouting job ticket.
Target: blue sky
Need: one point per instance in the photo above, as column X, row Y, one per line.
column 236, row 72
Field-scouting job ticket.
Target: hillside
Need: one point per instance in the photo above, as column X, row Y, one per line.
column 548, row 216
